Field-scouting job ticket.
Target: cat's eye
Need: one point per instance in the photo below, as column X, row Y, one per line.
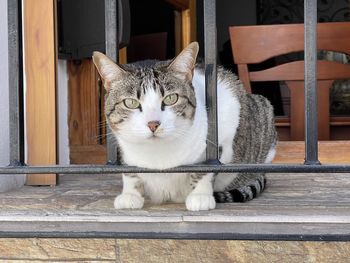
column 170, row 99
column 131, row 103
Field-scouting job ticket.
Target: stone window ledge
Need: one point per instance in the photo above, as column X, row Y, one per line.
column 293, row 207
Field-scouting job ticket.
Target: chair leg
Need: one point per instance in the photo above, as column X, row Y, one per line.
column 297, row 117
column 323, row 109
column 296, row 110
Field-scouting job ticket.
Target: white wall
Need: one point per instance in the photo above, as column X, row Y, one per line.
column 62, row 112
column 7, row 182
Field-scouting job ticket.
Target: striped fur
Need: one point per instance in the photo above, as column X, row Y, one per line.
column 254, row 142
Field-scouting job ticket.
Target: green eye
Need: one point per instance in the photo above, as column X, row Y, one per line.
column 131, row 103
column 170, row 99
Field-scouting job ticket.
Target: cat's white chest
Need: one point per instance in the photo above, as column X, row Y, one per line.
column 160, row 188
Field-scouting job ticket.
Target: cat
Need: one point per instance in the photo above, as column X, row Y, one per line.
column 157, row 112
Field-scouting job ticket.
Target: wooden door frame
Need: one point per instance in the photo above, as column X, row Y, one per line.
column 40, row 59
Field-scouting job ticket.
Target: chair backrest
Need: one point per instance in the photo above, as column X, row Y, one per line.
column 255, row 44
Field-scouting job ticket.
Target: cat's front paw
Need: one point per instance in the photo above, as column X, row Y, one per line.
column 128, row 201
column 197, row 202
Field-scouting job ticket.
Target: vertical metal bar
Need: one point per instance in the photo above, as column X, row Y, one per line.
column 210, row 78
column 111, row 36
column 15, row 67
column 310, row 35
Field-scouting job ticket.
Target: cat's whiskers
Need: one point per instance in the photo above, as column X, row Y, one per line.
column 178, row 135
column 103, row 135
column 181, row 132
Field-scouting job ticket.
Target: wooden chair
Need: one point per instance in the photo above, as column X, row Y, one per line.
column 255, row 44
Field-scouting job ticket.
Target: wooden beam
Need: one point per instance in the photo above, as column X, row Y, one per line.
column 186, row 28
column 123, row 56
column 189, row 33
column 193, row 22
column 40, row 76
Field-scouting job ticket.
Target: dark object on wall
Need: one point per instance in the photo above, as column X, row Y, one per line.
column 81, row 27
column 292, row 11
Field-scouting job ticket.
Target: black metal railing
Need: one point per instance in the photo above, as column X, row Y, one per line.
column 17, row 164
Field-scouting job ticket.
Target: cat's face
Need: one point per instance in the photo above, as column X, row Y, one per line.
column 144, row 104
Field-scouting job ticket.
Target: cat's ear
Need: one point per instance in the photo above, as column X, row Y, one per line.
column 108, row 70
column 183, row 65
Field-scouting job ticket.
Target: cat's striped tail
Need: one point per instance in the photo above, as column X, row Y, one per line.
column 242, row 193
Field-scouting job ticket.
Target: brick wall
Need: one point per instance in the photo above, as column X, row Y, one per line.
column 162, row 251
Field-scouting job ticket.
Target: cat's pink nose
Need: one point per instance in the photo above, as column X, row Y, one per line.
column 153, row 125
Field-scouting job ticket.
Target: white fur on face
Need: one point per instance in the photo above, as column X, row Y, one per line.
column 135, row 128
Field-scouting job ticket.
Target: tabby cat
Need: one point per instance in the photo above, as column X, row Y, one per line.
column 157, row 113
